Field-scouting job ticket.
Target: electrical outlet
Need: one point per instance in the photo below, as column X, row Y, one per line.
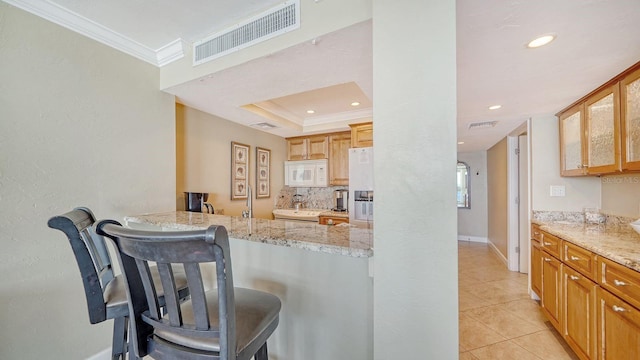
column 556, row 190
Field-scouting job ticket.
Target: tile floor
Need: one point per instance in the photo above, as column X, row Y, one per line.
column 498, row 319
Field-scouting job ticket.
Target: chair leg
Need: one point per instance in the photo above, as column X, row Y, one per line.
column 261, row 354
column 119, row 341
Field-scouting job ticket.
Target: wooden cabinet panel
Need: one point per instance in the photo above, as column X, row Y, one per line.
column 318, row 147
column 362, row 135
column 602, row 131
column 339, row 158
column 536, row 268
column 572, row 148
column 579, row 313
column 551, row 299
column 584, row 261
column 620, row 281
column 552, row 245
column 324, row 220
column 618, row 328
column 630, row 120
column 536, row 233
column 296, row 149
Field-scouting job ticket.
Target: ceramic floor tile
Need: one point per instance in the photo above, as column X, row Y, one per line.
column 547, row 345
column 505, row 323
column 467, row 301
column 527, row 309
column 474, row 334
column 467, row 356
column 506, row 350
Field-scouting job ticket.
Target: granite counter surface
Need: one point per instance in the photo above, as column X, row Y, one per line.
column 616, row 242
column 343, row 240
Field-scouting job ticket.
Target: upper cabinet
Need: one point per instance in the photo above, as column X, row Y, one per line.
column 362, row 135
column 600, row 133
column 308, row 147
column 630, row 124
column 339, row 144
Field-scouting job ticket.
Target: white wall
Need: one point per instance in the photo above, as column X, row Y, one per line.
column 580, row 192
column 204, row 160
column 81, row 124
column 415, row 261
column 621, row 195
column 472, row 223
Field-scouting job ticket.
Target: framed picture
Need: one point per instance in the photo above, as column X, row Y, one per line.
column 263, row 173
column 239, row 170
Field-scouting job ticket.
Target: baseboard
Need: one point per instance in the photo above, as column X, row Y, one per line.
column 472, row 238
column 102, row 355
column 500, row 255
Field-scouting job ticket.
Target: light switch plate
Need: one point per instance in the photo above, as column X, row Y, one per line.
column 556, row 190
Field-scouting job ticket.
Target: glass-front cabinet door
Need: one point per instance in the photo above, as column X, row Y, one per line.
column 602, row 126
column 571, row 144
column 630, row 121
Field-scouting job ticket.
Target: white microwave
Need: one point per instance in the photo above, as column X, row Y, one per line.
column 306, row 173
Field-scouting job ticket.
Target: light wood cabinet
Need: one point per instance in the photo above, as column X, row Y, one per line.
column 579, row 313
column 602, row 131
column 362, row 135
column 324, row 220
column 551, row 299
column 572, row 150
column 630, row 120
column 308, row 148
column 618, row 328
column 339, row 144
column 536, row 260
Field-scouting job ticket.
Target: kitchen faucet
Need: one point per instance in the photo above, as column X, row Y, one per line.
column 248, row 213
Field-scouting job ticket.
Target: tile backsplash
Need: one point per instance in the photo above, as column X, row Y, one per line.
column 314, row 198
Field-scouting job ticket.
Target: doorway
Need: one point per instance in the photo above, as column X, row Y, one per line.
column 518, row 195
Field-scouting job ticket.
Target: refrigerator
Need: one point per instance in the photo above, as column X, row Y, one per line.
column 361, row 185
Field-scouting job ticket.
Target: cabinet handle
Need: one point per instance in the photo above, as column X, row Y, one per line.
column 574, row 258
column 536, row 233
column 573, row 277
column 547, row 259
column 618, row 308
column 583, row 166
column 546, row 243
column 617, row 282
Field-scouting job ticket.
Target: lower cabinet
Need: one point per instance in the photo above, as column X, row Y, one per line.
column 332, row 220
column 536, row 268
column 618, row 328
column 551, row 298
column 579, row 313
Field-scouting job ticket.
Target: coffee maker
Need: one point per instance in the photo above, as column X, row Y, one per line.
column 195, row 202
column 340, row 200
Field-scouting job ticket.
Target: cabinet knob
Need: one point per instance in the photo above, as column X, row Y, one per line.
column 617, row 282
column 573, row 277
column 547, row 259
column 618, row 308
column 574, row 258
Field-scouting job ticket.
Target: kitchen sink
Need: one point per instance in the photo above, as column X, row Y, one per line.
column 302, row 214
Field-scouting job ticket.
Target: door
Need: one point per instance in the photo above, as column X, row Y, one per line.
column 523, row 202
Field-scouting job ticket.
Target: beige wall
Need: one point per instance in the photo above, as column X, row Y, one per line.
column 621, row 195
column 580, row 192
column 81, row 124
column 472, row 223
column 497, row 199
column 203, row 155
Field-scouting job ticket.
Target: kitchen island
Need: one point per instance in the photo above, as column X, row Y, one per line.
column 321, row 274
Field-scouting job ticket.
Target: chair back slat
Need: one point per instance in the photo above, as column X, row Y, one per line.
column 99, row 254
column 196, row 287
column 172, row 303
column 150, row 291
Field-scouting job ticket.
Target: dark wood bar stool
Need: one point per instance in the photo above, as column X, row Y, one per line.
column 224, row 323
column 105, row 292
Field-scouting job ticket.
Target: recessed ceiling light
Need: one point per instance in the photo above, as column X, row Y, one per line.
column 355, row 103
column 310, row 111
column 460, row 142
column 495, row 107
column 540, row 41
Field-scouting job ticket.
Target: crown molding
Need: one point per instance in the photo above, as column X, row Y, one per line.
column 337, row 117
column 81, row 25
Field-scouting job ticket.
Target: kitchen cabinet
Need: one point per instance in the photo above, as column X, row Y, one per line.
column 630, row 120
column 618, row 328
column 551, row 299
column 602, row 131
column 362, row 135
column 325, row 219
column 339, row 144
column 579, row 313
column 308, row 148
column 536, row 260
column 572, row 156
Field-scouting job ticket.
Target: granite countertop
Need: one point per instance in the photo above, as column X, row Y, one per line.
column 343, row 240
column 617, row 242
column 342, row 214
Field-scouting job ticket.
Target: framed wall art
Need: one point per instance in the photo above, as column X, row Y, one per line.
column 239, row 170
column 263, row 173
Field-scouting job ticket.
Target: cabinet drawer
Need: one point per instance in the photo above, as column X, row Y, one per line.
column 536, row 233
column 618, row 328
column 583, row 261
column 551, row 245
column 620, row 281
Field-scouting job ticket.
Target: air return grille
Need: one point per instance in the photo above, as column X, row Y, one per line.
column 273, row 22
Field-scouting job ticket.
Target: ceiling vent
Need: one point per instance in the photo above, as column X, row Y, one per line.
column 482, row 125
column 273, row 22
column 264, row 125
